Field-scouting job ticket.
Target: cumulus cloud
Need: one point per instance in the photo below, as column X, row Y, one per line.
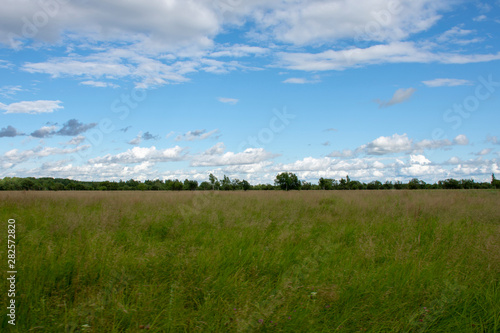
column 32, row 107
column 400, row 96
column 431, row 144
column 9, row 132
column 16, row 156
column 385, row 145
column 44, row 132
column 419, row 159
column 461, row 140
column 388, row 145
column 215, row 156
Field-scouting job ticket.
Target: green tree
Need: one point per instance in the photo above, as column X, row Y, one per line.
column 388, row 185
column 27, row 184
column 494, row 182
column 245, row 185
column 226, row 183
column 190, row 185
column 287, row 181
column 374, row 185
column 177, row 185
column 326, row 183
column 205, row 186
column 213, row 180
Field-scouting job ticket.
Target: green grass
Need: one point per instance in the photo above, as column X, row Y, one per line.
column 310, row 261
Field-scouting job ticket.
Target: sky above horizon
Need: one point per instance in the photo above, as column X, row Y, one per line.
column 176, row 89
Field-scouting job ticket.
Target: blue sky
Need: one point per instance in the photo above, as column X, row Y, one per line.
column 171, row 89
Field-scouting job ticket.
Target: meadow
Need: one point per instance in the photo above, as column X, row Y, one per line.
column 255, row 261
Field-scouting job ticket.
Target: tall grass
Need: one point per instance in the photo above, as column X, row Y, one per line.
column 311, row 261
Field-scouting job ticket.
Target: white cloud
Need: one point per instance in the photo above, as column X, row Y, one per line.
column 215, row 156
column 388, row 145
column 84, row 67
column 16, row 156
column 315, row 22
column 76, row 140
column 32, row 107
column 161, row 42
column 480, row 18
column 95, row 172
column 9, row 91
column 431, row 144
column 400, row 96
column 454, row 160
column 137, row 140
column 343, row 153
column 446, row 83
column 298, row 80
column 99, row 84
column 394, row 52
column 5, row 64
column 238, row 50
column 461, row 139
column 454, row 32
column 228, row 100
column 139, row 155
column 419, row 159
column 484, row 151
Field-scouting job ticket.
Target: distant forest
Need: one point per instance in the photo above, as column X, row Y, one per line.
column 284, row 181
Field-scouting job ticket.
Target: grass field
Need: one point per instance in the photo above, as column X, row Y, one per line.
column 309, row 261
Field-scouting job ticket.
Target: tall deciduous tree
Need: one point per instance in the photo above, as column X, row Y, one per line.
column 287, row 181
column 212, row 180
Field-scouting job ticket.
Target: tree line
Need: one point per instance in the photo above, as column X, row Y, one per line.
column 284, row 181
